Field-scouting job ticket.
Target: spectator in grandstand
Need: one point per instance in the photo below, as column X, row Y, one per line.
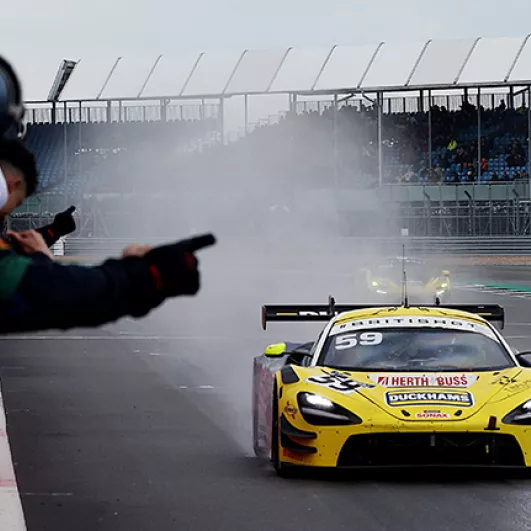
column 494, row 177
column 516, row 156
column 522, row 176
column 37, row 293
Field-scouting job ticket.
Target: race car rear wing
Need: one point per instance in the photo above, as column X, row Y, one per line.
column 315, row 312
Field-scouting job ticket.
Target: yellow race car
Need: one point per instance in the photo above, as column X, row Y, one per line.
column 389, row 386
column 425, row 283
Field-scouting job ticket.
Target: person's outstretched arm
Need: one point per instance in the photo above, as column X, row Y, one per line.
column 37, row 293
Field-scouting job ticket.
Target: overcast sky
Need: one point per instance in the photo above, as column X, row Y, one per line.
column 39, row 33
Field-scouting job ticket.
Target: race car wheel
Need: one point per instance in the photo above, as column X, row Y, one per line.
column 283, row 470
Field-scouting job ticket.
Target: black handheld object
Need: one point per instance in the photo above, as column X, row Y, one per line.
column 196, row 243
column 11, row 103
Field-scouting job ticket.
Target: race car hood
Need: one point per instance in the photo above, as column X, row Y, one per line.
column 414, row 396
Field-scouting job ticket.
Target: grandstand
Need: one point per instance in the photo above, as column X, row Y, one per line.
column 438, row 128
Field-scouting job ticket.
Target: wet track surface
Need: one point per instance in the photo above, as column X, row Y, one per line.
column 146, row 426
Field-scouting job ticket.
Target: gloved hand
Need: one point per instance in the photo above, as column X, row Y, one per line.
column 63, row 224
column 175, row 268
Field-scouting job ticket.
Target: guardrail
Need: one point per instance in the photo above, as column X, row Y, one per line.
column 463, row 246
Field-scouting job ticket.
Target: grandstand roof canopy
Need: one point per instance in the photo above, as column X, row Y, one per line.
column 437, row 64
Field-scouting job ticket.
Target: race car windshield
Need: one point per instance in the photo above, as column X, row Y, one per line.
column 416, row 272
column 413, row 349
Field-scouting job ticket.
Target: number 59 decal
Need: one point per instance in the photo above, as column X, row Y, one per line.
column 346, row 341
column 339, row 382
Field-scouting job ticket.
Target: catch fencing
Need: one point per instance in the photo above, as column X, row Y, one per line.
column 330, row 249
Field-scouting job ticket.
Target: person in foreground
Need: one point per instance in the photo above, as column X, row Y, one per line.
column 37, row 293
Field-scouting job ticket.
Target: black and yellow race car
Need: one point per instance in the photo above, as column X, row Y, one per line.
column 425, row 283
column 389, row 386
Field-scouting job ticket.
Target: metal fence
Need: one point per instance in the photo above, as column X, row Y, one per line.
column 338, row 248
column 491, row 218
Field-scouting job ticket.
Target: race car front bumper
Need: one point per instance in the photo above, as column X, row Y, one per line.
column 406, row 444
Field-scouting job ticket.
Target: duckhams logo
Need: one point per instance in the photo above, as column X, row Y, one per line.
column 422, row 398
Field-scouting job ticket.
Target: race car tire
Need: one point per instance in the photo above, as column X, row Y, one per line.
column 283, row 470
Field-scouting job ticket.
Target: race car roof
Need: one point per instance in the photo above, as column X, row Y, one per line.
column 440, row 312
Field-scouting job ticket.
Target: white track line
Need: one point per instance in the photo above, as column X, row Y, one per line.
column 11, row 514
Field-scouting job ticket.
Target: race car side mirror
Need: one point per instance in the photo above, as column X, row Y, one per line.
column 276, row 350
column 524, row 359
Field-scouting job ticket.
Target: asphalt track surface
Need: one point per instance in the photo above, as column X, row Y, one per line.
column 146, row 426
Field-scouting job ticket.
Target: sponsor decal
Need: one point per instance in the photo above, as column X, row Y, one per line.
column 339, row 382
column 432, row 415
column 308, row 313
column 413, row 322
column 503, row 380
column 436, row 397
column 424, row 380
column 518, row 386
column 295, row 456
column 290, row 410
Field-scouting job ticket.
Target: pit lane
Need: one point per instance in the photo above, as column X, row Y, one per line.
column 146, row 425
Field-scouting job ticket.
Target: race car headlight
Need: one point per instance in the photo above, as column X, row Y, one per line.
column 520, row 415
column 321, row 411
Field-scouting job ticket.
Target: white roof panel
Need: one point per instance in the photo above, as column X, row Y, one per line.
column 212, row 73
column 129, row 77
column 36, row 75
column 393, row 64
column 300, row 69
column 256, row 71
column 88, row 78
column 170, row 75
column 441, row 62
column 522, row 68
column 346, row 67
column 491, row 60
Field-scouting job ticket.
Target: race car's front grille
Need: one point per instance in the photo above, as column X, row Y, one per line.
column 411, row 449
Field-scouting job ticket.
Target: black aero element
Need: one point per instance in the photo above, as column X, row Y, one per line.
column 519, row 416
column 288, row 429
column 288, row 375
column 321, row 312
column 294, row 446
column 421, row 449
